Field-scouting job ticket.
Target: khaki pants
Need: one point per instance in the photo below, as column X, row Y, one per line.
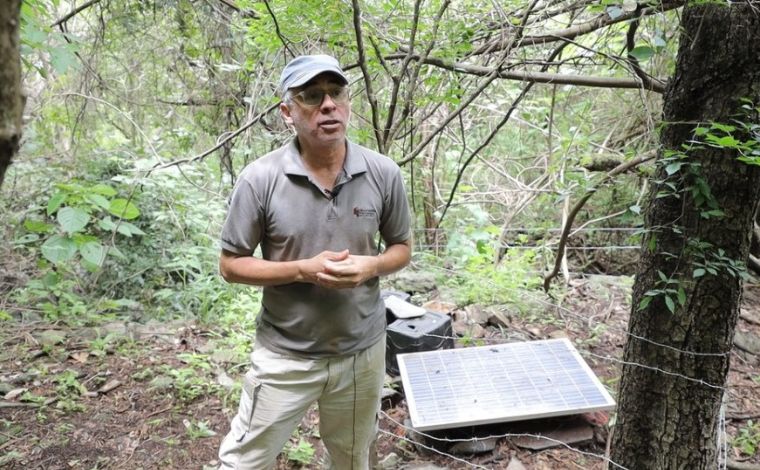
column 279, row 389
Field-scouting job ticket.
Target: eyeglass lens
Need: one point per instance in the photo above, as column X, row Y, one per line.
column 315, row 96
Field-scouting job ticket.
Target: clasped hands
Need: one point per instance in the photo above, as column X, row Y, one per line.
column 341, row 270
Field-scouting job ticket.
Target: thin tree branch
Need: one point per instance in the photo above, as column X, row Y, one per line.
column 219, row 145
column 579, row 205
column 630, row 40
column 74, row 12
column 601, row 21
column 413, row 81
column 490, row 137
column 481, row 88
column 362, row 60
column 538, row 77
column 283, row 39
column 402, row 71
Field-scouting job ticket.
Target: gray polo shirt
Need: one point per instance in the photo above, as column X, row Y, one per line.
column 277, row 205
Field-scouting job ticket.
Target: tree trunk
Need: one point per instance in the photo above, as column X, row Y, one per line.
column 670, row 397
column 11, row 101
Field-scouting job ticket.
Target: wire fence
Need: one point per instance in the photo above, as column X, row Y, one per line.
column 566, row 314
column 532, row 238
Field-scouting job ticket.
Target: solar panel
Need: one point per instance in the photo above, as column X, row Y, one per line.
column 492, row 384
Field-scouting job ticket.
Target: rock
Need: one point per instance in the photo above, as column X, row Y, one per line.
column 416, row 439
column 557, row 334
column 161, row 382
column 515, row 464
column 390, row 461
column 5, row 387
column 413, row 281
column 13, row 394
column 463, row 329
column 571, row 434
column 224, row 356
column 498, row 318
column 50, row 337
column 439, row 306
column 747, row 342
column 224, row 380
column 475, row 446
column 424, row 466
column 476, row 314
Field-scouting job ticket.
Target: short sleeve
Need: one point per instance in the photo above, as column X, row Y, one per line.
column 395, row 221
column 242, row 229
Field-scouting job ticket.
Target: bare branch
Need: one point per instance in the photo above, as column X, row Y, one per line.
column 74, row 12
column 597, row 23
column 402, row 71
column 539, row 77
column 579, row 205
column 283, row 39
column 219, row 145
column 630, row 42
column 362, row 61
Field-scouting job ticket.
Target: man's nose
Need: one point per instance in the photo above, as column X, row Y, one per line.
column 327, row 102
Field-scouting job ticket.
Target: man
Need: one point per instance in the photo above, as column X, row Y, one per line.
column 315, row 207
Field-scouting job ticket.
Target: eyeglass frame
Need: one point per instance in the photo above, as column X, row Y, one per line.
column 325, row 91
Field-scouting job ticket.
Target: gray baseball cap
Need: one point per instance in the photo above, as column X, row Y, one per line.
column 303, row 68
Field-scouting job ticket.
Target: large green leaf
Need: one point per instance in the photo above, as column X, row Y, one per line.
column 93, row 252
column 37, row 226
column 55, row 202
column 124, row 209
column 73, row 219
column 642, row 53
column 57, row 249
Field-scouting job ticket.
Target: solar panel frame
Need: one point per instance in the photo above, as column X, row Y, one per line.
column 536, row 379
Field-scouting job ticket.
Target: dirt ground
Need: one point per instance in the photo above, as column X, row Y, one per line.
column 73, row 403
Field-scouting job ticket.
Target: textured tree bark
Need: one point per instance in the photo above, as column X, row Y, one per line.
column 668, row 421
column 11, row 101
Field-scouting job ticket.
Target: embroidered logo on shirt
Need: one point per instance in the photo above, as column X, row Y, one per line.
column 359, row 212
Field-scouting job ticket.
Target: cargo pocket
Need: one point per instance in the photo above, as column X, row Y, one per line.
column 251, row 388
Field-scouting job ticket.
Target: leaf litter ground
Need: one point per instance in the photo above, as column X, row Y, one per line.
column 159, row 400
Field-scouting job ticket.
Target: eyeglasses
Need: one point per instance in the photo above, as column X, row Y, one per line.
column 313, row 96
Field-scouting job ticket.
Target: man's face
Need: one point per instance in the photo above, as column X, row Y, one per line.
column 319, row 121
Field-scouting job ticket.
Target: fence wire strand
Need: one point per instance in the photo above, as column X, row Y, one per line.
column 564, row 311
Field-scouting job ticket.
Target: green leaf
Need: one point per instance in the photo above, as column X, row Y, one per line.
column 127, row 229
column 58, row 249
column 103, row 190
column 62, row 58
column 681, row 296
column 73, row 219
column 673, row 167
column 670, row 304
column 699, row 272
column 124, row 209
column 37, row 226
column 93, row 252
column 106, row 223
column 641, row 53
column 55, row 202
column 98, row 200
column 662, row 275
column 644, row 303
column 636, row 209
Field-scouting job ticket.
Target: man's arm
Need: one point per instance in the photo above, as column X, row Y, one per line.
column 245, row 269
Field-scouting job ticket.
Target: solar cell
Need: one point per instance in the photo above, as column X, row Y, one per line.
column 506, row 382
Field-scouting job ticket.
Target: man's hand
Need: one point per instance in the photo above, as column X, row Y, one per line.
column 348, row 271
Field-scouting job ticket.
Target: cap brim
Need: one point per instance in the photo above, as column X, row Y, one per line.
column 309, row 74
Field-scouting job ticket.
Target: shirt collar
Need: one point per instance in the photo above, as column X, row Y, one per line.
column 353, row 165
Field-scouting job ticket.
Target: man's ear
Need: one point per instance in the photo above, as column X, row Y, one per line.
column 285, row 111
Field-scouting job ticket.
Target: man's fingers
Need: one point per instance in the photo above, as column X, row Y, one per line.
column 337, row 255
